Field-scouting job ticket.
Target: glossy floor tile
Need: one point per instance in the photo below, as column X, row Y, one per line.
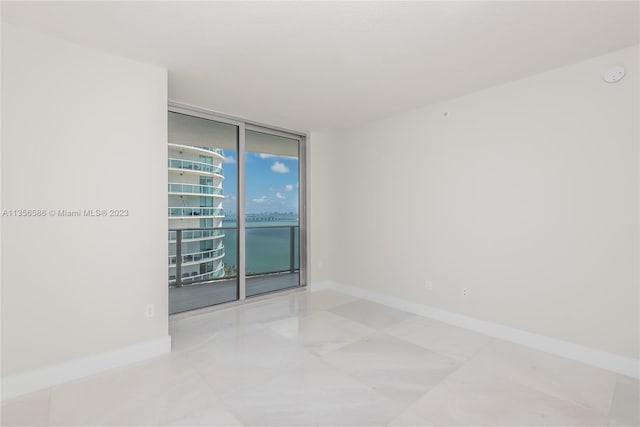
column 240, row 357
column 321, row 332
column 625, row 408
column 571, row 381
column 214, row 415
column 324, row 358
column 190, row 332
column 469, row 397
column 31, row 410
column 399, row 370
column 409, row 419
column 156, row 392
column 371, row 314
column 323, row 300
column 451, row 341
column 311, row 393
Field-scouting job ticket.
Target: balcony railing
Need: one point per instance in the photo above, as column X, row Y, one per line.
column 195, row 189
column 187, row 278
column 192, row 212
column 269, row 249
column 195, row 166
column 200, row 256
column 280, row 256
column 188, row 235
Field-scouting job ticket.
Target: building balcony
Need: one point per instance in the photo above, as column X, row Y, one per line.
column 195, row 277
column 182, row 213
column 197, row 235
column 200, row 190
column 198, row 257
column 224, row 289
column 199, row 168
column 280, row 255
column 207, row 151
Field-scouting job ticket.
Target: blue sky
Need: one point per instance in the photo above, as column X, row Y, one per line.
column 271, row 182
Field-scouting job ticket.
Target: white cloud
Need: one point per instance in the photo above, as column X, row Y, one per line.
column 279, row 167
column 229, row 159
column 266, row 156
column 260, row 199
column 288, row 187
column 280, row 196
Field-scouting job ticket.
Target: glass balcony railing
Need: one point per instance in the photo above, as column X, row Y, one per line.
column 195, row 166
column 191, row 212
column 271, row 249
column 195, row 189
column 190, row 278
column 186, row 255
column 197, row 235
column 200, row 256
column 268, row 250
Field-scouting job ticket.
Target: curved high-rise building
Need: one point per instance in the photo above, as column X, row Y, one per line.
column 195, row 201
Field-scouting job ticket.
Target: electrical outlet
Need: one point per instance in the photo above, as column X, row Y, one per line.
column 150, row 311
column 465, row 292
column 429, row 285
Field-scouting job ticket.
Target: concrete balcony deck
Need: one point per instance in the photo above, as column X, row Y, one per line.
column 192, row 297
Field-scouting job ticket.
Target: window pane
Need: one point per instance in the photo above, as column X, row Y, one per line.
column 202, row 189
column 272, row 207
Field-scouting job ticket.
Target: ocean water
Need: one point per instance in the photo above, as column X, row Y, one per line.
column 267, row 249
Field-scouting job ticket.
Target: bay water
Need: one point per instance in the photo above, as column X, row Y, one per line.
column 267, row 246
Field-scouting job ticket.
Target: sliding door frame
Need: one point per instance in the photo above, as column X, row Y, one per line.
column 244, row 125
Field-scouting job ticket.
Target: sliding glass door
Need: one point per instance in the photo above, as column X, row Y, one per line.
column 234, row 209
column 202, row 198
column 272, row 216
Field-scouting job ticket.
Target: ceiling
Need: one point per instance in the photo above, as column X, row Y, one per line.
column 331, row 65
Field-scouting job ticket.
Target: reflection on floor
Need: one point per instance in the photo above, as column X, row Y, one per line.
column 325, row 358
column 197, row 296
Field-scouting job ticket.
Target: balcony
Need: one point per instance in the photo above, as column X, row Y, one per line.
column 196, row 235
column 198, row 295
column 182, row 213
column 272, row 263
column 191, row 165
column 195, row 277
column 218, row 152
column 200, row 190
column 198, row 257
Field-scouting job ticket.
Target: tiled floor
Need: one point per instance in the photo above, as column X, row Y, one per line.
column 325, row 358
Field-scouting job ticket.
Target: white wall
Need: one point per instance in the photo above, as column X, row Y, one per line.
column 526, row 193
column 320, row 206
column 80, row 130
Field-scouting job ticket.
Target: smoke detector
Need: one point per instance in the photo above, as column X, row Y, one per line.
column 613, row 74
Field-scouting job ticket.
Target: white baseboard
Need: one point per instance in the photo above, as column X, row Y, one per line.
column 19, row 384
column 590, row 356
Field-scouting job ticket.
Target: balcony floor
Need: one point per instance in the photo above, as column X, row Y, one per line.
column 191, row 297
